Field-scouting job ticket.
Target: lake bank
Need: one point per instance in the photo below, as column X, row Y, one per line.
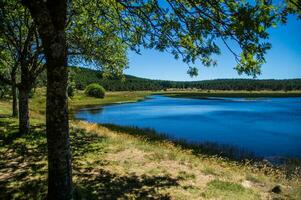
column 265, row 127
column 110, row 163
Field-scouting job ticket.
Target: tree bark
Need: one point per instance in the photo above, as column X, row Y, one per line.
column 14, row 91
column 59, row 156
column 23, row 111
column 24, row 89
column 15, row 101
column 50, row 17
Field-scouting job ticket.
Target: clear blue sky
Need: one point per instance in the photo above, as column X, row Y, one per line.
column 283, row 60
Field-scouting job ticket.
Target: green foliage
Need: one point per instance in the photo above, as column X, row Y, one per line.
column 95, row 90
column 103, row 30
column 83, row 77
column 4, row 91
column 71, row 89
column 192, row 71
column 21, row 54
column 93, row 40
column 294, row 7
column 71, row 84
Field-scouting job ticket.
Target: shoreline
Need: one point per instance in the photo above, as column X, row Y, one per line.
column 228, row 151
column 189, row 94
column 208, row 149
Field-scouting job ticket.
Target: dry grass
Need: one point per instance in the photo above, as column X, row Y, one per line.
column 129, row 155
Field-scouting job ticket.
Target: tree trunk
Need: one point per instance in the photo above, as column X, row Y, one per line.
column 24, row 89
column 14, row 92
column 23, row 110
column 15, row 101
column 50, row 17
column 59, row 156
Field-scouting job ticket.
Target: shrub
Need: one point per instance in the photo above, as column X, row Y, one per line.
column 71, row 84
column 95, row 90
column 79, row 86
column 71, row 90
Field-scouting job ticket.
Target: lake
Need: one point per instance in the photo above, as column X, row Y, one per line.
column 269, row 127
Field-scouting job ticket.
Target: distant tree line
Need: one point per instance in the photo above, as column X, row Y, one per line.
column 84, row 77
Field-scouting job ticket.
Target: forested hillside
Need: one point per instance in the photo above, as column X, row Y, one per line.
column 83, row 76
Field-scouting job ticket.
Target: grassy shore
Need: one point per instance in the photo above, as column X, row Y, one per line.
column 79, row 100
column 111, row 162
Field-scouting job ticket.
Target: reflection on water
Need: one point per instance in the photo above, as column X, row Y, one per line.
column 265, row 126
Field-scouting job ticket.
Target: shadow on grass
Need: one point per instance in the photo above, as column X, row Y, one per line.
column 9, row 130
column 106, row 185
column 96, row 183
column 23, row 163
column 23, row 170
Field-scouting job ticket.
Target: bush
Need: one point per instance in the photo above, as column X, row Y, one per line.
column 95, row 90
column 71, row 90
column 71, row 84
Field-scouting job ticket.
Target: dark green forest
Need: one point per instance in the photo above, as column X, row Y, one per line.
column 83, row 76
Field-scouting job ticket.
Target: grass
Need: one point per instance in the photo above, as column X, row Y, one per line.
column 204, row 148
column 229, row 190
column 80, row 100
column 112, row 162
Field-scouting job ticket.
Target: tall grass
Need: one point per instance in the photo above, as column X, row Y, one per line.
column 291, row 167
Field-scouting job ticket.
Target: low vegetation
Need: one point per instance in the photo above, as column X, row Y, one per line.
column 111, row 162
column 80, row 100
column 95, row 90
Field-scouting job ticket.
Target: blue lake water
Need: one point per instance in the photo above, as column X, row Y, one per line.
column 265, row 126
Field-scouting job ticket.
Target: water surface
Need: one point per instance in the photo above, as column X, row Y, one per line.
column 268, row 127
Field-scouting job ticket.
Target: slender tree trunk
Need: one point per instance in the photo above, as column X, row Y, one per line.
column 50, row 17
column 24, row 90
column 15, row 101
column 14, row 92
column 23, row 110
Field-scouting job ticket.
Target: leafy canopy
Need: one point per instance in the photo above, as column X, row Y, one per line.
column 20, row 43
column 188, row 29
column 293, row 7
column 100, row 32
column 93, row 41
